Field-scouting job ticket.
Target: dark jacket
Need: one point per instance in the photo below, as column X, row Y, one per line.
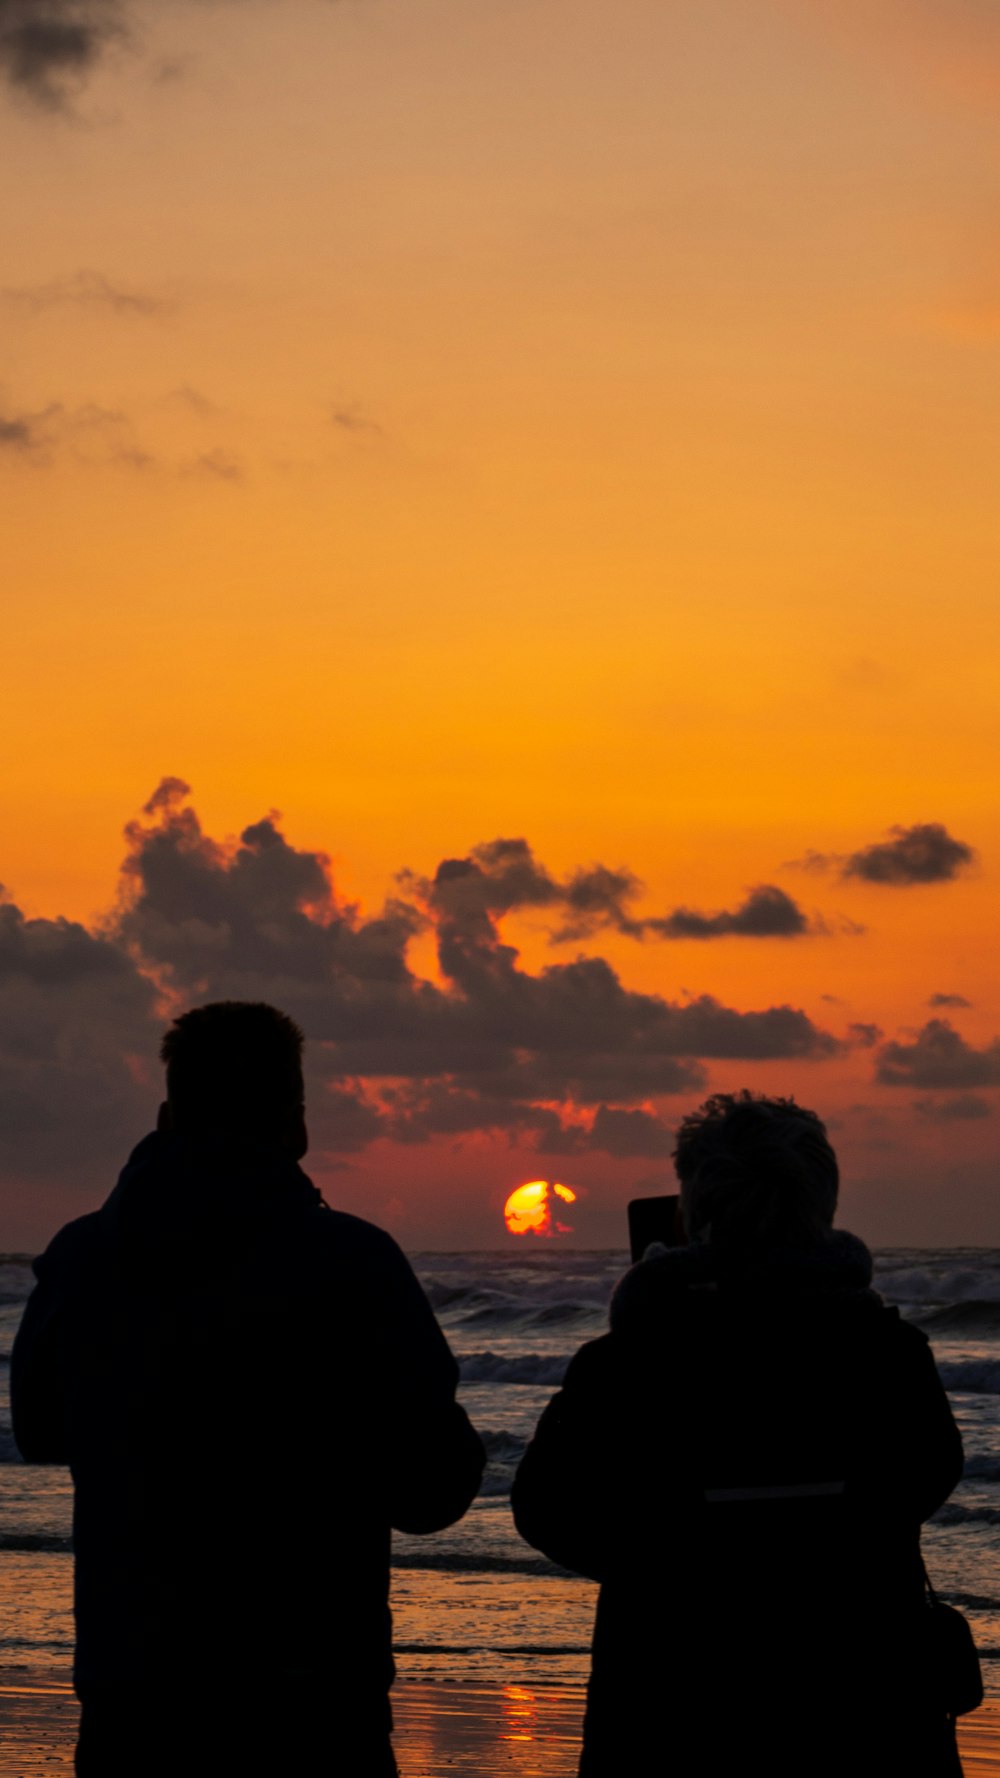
column 250, row 1389
column 744, row 1463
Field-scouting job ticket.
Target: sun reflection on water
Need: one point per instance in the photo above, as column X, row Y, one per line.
column 520, row 1711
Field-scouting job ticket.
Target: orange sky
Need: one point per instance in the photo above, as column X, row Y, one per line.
column 441, row 422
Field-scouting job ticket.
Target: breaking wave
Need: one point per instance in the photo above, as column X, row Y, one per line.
column 976, row 1317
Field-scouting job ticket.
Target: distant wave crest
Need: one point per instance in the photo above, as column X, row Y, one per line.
column 971, row 1376
column 526, row 1367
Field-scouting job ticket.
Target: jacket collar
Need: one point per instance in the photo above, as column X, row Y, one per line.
column 170, row 1191
column 840, row 1264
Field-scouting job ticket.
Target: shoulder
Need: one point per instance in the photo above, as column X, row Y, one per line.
column 359, row 1252
column 878, row 1320
column 903, row 1339
column 594, row 1365
column 76, row 1243
column 361, row 1241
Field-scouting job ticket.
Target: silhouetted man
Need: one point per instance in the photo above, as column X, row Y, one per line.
column 744, row 1463
column 251, row 1390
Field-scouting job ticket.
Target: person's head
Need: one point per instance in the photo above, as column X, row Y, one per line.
column 755, row 1172
column 234, row 1077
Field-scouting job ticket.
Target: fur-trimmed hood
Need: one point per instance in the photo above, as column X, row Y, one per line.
column 839, row 1265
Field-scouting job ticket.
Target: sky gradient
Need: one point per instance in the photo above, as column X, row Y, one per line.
column 454, row 423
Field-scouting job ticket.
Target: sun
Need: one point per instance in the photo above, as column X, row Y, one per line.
column 528, row 1210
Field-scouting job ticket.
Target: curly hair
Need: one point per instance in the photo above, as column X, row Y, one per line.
column 756, row 1171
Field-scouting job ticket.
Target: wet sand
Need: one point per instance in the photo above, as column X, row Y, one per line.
column 441, row 1730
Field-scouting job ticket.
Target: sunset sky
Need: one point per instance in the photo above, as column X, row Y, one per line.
column 475, row 420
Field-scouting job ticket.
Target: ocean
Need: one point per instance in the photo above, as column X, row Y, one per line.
column 474, row 1603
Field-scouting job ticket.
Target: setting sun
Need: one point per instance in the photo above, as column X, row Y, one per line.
column 528, row 1210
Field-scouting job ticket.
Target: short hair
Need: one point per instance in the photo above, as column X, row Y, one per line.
column 756, row 1171
column 233, row 1065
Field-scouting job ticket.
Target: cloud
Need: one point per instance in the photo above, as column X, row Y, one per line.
column 949, row 1000
column 564, row 1058
column 99, row 437
column 503, row 875
column 864, row 1036
column 925, row 853
column 49, row 47
column 18, row 432
column 938, row 1057
column 86, row 290
column 423, row 1111
column 626, row 1134
column 219, row 466
column 90, row 433
column 959, row 1109
column 196, row 402
column 259, row 919
column 350, row 416
column 767, row 912
column 77, row 1029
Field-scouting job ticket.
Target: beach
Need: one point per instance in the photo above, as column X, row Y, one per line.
column 492, row 1641
column 441, row 1730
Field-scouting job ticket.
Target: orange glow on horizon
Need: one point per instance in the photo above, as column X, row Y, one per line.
column 528, row 1210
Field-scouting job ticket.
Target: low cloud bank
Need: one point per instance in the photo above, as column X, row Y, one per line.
column 565, row 1059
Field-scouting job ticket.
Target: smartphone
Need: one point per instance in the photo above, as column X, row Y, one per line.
column 655, row 1219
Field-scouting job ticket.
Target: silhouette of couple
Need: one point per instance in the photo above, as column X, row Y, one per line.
column 251, row 1391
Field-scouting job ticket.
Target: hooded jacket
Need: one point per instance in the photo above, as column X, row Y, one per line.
column 744, row 1463
column 250, row 1390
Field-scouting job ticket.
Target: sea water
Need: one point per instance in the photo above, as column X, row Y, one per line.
column 474, row 1602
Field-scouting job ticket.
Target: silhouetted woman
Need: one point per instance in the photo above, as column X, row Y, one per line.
column 744, row 1463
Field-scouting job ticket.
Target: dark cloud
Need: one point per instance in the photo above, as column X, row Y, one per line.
column 864, row 1036
column 959, row 1109
column 626, row 1134
column 49, row 47
column 958, row 1000
column 497, row 877
column 565, row 1058
column 343, row 1116
column 77, row 1050
column 925, row 853
column 939, row 1057
column 417, row 1113
column 260, row 919
column 17, row 433
column 503, row 875
column 767, row 912
column 597, row 897
column 87, row 290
